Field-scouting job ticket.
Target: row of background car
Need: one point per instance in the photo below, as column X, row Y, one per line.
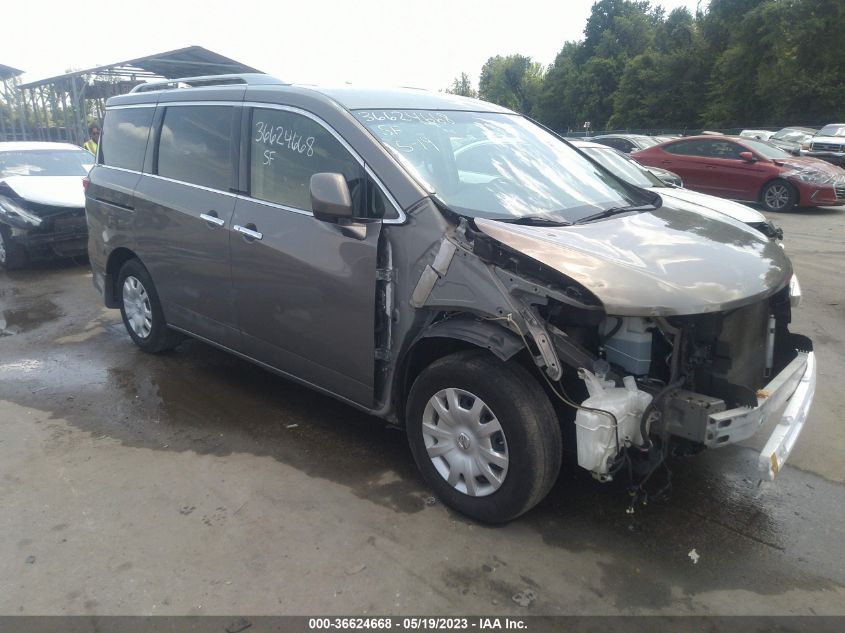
column 745, row 168
column 828, row 143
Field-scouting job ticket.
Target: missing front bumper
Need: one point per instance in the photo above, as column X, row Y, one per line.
column 795, row 385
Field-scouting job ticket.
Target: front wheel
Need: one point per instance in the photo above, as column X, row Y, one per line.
column 778, row 195
column 484, row 435
column 12, row 255
column 141, row 309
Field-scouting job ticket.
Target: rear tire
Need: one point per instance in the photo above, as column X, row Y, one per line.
column 778, row 195
column 484, row 435
column 141, row 309
column 12, row 254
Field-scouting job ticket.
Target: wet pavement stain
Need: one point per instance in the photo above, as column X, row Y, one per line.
column 740, row 529
column 200, row 399
column 28, row 317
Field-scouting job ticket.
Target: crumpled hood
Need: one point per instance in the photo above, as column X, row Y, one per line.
column 56, row 191
column 730, row 208
column 664, row 262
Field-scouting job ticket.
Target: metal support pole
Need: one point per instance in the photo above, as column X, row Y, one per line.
column 64, row 113
column 4, row 103
column 48, row 118
column 78, row 117
column 39, row 131
column 55, row 104
column 24, row 115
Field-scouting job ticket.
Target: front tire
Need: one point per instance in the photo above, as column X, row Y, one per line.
column 484, row 435
column 141, row 309
column 12, row 254
column 778, row 195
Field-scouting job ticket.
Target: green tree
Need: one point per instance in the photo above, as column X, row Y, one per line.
column 665, row 86
column 514, row 82
column 462, row 86
column 559, row 105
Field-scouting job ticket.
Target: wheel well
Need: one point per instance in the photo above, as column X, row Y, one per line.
column 117, row 259
column 423, row 353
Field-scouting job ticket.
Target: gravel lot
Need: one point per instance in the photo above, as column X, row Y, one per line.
column 196, row 483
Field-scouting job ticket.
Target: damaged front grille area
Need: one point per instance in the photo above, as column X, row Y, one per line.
column 695, row 367
column 726, row 362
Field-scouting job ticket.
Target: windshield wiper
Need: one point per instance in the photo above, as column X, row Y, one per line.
column 535, row 220
column 615, row 211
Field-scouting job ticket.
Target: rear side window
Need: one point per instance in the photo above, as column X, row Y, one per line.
column 286, row 149
column 687, row 148
column 124, row 139
column 195, row 145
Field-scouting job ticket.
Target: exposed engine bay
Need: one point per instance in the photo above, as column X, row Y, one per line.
column 636, row 388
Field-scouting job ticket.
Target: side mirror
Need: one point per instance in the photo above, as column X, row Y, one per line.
column 748, row 157
column 796, row 151
column 330, row 199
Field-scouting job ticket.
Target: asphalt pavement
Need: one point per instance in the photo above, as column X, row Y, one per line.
column 196, row 483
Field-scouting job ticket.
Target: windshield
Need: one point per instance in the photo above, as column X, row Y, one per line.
column 498, row 166
column 796, row 136
column 45, row 162
column 623, row 166
column 647, row 141
column 832, row 130
column 765, row 149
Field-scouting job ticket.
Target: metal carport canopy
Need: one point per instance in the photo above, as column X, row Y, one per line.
column 184, row 62
column 7, row 72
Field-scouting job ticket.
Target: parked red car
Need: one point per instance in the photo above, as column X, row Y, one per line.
column 747, row 169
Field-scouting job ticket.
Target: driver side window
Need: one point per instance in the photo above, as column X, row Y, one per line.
column 286, row 149
column 723, row 149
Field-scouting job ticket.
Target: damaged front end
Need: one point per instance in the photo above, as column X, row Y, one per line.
column 42, row 230
column 661, row 333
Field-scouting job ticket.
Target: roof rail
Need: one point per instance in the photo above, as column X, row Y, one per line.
column 247, row 79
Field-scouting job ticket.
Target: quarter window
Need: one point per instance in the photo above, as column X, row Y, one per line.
column 124, row 139
column 286, row 149
column 196, row 145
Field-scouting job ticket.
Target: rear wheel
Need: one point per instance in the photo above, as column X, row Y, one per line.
column 778, row 195
column 141, row 309
column 484, row 435
column 12, row 255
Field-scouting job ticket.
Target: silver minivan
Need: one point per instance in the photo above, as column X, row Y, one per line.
column 453, row 268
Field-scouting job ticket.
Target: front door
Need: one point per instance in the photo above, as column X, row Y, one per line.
column 305, row 289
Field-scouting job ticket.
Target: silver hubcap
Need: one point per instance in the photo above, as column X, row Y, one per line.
column 136, row 305
column 465, row 442
column 777, row 196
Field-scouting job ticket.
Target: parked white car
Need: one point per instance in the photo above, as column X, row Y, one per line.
column 42, row 202
column 760, row 135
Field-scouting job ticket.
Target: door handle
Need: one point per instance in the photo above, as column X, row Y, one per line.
column 248, row 232
column 211, row 218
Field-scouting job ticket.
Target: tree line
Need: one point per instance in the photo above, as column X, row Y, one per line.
column 735, row 63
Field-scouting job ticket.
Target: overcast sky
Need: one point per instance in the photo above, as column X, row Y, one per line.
column 421, row 43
